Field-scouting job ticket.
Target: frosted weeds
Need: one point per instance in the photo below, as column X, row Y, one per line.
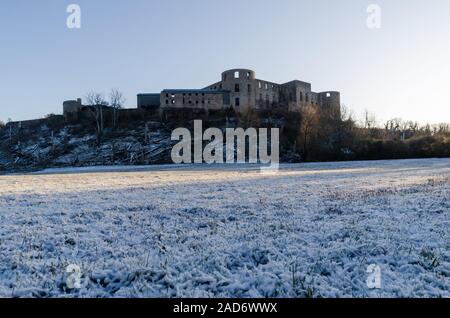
column 309, row 231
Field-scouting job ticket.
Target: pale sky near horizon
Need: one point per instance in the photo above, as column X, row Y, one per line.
column 140, row 46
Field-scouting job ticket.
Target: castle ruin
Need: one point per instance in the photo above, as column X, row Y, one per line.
column 240, row 89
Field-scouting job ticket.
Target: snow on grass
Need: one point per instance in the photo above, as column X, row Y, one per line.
column 311, row 230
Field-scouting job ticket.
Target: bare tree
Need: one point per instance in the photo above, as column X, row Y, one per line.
column 116, row 101
column 249, row 118
column 96, row 102
column 441, row 129
column 393, row 128
column 346, row 113
column 370, row 121
column 393, row 125
column 308, row 128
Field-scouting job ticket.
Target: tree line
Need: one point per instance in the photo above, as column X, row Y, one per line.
column 312, row 134
column 96, row 103
column 315, row 134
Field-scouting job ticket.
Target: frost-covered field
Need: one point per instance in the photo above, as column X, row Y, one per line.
column 311, row 230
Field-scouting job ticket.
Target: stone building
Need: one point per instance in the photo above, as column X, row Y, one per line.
column 72, row 106
column 240, row 89
column 74, row 110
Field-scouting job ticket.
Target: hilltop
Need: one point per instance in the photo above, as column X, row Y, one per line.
column 143, row 137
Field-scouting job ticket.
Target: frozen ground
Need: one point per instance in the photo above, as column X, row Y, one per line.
column 308, row 231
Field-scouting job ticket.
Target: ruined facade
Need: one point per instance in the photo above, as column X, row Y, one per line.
column 240, row 89
column 72, row 108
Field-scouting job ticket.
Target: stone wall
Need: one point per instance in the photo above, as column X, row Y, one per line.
column 248, row 91
column 195, row 99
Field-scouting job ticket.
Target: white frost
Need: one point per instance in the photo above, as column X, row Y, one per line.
column 310, row 230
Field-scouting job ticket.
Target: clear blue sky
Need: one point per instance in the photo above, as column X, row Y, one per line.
column 400, row 70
